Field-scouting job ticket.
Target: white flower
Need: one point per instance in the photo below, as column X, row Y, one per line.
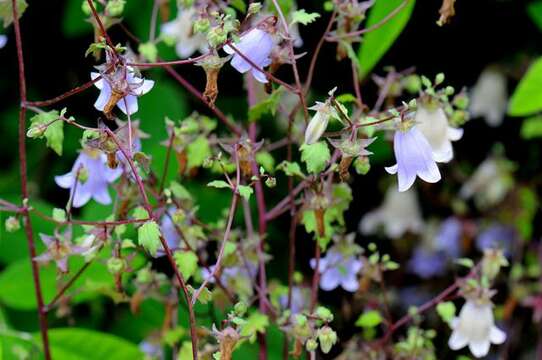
column 490, row 182
column 399, row 213
column 476, row 328
column 180, row 29
column 489, row 97
column 318, row 123
column 3, row 40
column 433, row 124
column 255, row 45
column 125, row 86
column 414, row 158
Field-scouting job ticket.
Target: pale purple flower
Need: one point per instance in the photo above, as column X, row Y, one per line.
column 60, row 248
column 123, row 81
column 448, row 238
column 255, row 45
column 338, row 270
column 497, row 236
column 169, row 231
column 3, row 41
column 414, row 157
column 231, row 273
column 300, row 297
column 93, row 180
column 427, row 263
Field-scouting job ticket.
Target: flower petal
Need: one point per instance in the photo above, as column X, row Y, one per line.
column 258, row 75
column 101, row 195
column 392, row 169
column 103, row 99
column 350, row 283
column 457, row 340
column 99, row 83
column 329, row 280
column 479, row 348
column 65, row 181
column 496, row 335
column 130, row 102
column 454, row 134
column 81, row 196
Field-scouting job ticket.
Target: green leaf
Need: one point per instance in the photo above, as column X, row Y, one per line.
column 44, row 125
column 6, row 10
column 149, row 51
column 148, row 236
column 256, row 322
column 187, row 262
column 446, row 311
column 369, row 319
column 197, row 151
column 534, row 10
column 245, row 191
column 290, row 169
column 219, row 184
column 466, row 262
column 266, row 160
column 267, row 106
column 377, row 42
column 82, row 344
column 532, row 127
column 303, row 17
column 179, row 191
column 140, row 213
column 315, row 156
column 239, row 5
column 59, row 214
column 527, row 97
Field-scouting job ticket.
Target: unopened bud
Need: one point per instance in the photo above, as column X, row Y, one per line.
column 116, row 265
column 311, row 345
column 85, row 7
column 271, row 182
column 240, row 308
column 12, row 224
column 254, row 8
column 439, row 79
column 324, row 314
column 327, row 338
column 202, row 25
column 217, row 36
column 115, row 7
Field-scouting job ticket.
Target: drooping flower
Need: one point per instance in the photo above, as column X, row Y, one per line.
column 256, row 45
column 121, row 88
column 3, row 41
column 497, row 236
column 490, row 182
column 448, row 238
column 414, row 158
column 427, row 263
column 169, row 231
column 489, row 97
column 318, row 123
column 432, row 122
column 337, row 269
column 400, row 212
column 89, row 178
column 181, row 31
column 476, row 328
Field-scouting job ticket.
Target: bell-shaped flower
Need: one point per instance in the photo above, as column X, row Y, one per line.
column 89, row 178
column 256, row 45
column 399, row 213
column 3, row 41
column 448, row 238
column 490, row 182
column 318, row 123
column 475, row 327
column 414, row 158
column 337, row 269
column 181, row 31
column 489, row 97
column 432, row 122
column 427, row 263
column 498, row 236
column 300, row 299
column 121, row 88
column 59, row 248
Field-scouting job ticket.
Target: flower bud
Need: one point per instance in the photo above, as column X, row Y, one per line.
column 311, row 345
column 412, row 84
column 240, row 308
column 327, row 338
column 116, row 265
column 12, row 224
column 254, row 8
column 202, row 25
column 324, row 314
column 271, row 182
column 36, row 131
column 85, row 7
column 439, row 79
column 144, row 276
column 492, row 262
column 115, row 7
column 362, row 165
column 217, row 36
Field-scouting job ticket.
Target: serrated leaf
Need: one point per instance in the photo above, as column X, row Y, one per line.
column 303, row 17
column 219, row 184
column 369, row 319
column 6, row 10
column 54, row 131
column 148, row 236
column 197, row 151
column 255, row 323
column 187, row 262
column 267, row 106
column 377, row 42
column 140, row 213
column 527, row 97
column 315, row 156
column 290, row 169
column 245, row 191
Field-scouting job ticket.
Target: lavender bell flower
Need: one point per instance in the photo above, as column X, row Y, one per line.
column 497, row 236
column 125, row 86
column 448, row 238
column 3, row 41
column 426, row 263
column 414, row 157
column 338, row 270
column 255, row 45
column 231, row 272
column 300, row 297
column 93, row 177
column 169, row 231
